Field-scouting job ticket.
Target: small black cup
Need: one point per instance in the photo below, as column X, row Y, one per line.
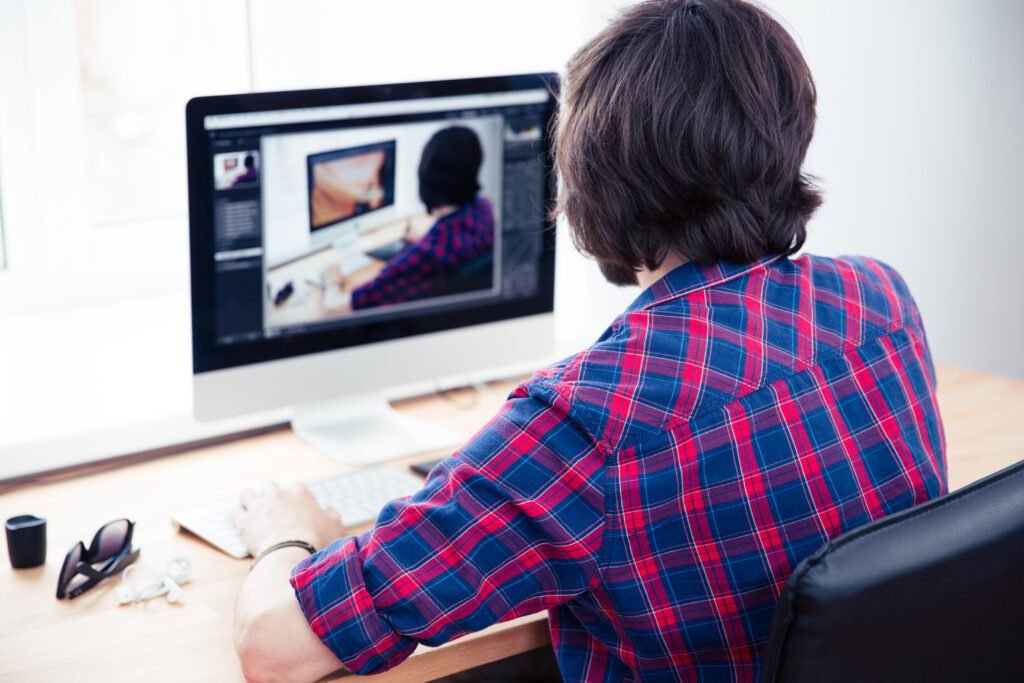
column 26, row 541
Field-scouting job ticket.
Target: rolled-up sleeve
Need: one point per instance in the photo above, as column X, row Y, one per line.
column 511, row 524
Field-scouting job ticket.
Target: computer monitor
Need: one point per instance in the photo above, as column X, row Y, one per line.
column 357, row 242
column 346, row 184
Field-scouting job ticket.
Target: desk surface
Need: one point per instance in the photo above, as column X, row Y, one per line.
column 44, row 639
column 306, row 305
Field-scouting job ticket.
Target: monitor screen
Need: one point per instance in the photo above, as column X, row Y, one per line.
column 346, row 183
column 333, row 218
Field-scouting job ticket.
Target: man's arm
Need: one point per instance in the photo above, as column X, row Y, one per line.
column 272, row 637
column 403, row 276
column 510, row 525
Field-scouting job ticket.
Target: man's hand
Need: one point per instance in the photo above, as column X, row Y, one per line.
column 337, row 297
column 274, row 515
column 417, row 227
column 336, row 301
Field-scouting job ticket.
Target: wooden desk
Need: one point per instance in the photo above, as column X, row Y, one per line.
column 42, row 639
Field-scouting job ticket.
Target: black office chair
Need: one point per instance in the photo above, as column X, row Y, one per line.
column 935, row 593
column 474, row 275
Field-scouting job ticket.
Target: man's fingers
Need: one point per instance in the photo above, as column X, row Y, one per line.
column 298, row 489
column 249, row 496
column 332, row 514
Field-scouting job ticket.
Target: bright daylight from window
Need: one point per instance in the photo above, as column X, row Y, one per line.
column 114, row 126
column 104, row 84
column 3, row 253
column 134, row 87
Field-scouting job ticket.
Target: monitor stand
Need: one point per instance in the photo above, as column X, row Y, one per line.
column 365, row 430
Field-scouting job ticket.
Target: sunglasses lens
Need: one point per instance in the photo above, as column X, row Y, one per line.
column 74, row 557
column 109, row 540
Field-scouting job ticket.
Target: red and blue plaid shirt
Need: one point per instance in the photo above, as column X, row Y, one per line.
column 655, row 491
column 418, row 270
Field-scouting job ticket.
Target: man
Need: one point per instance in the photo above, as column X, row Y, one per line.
column 460, row 233
column 655, row 491
column 250, row 175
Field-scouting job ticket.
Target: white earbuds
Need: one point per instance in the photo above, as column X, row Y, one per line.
column 147, row 585
column 174, row 590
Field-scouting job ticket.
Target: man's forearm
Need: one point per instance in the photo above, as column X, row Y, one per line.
column 273, row 639
column 265, row 585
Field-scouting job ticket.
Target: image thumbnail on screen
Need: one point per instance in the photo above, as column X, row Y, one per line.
column 431, row 231
column 346, row 183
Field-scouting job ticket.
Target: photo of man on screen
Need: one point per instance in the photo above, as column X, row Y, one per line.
column 448, row 251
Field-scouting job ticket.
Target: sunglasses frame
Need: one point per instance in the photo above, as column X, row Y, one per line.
column 113, row 565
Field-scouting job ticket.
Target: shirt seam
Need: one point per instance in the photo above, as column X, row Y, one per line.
column 768, row 381
column 605, row 455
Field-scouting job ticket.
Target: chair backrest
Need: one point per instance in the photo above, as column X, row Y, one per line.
column 473, row 275
column 935, row 593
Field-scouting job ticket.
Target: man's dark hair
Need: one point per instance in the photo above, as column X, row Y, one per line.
column 684, row 127
column 250, row 161
column 448, row 168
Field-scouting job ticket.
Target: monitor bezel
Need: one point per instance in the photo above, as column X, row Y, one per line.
column 208, row 356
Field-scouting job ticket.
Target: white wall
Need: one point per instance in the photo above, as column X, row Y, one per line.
column 920, row 151
column 584, row 303
column 920, row 147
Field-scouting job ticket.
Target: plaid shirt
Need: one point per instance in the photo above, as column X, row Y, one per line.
column 655, row 491
column 415, row 272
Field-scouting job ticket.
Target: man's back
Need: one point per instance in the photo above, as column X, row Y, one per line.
column 747, row 415
column 655, row 491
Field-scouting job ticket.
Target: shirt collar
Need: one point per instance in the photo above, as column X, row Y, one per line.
column 691, row 277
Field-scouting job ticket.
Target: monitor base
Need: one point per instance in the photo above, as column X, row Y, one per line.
column 367, row 430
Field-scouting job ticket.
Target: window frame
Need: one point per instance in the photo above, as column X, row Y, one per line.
column 3, row 241
column 54, row 256
column 63, row 275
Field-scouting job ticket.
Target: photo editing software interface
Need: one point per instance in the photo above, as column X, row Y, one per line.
column 339, row 215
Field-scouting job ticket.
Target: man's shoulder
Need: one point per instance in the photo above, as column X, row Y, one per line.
column 664, row 365
column 620, row 389
column 480, row 210
column 872, row 289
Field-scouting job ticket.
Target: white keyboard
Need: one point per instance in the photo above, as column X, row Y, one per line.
column 357, row 496
column 352, row 262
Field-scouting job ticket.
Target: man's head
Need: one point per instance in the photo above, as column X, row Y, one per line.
column 449, row 166
column 683, row 129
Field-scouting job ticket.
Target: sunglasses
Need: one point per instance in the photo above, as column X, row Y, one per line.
column 111, row 548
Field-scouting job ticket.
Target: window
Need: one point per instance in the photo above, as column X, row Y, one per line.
column 92, row 166
column 97, row 136
column 141, row 61
column 3, row 251
column 92, row 149
column 324, row 43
